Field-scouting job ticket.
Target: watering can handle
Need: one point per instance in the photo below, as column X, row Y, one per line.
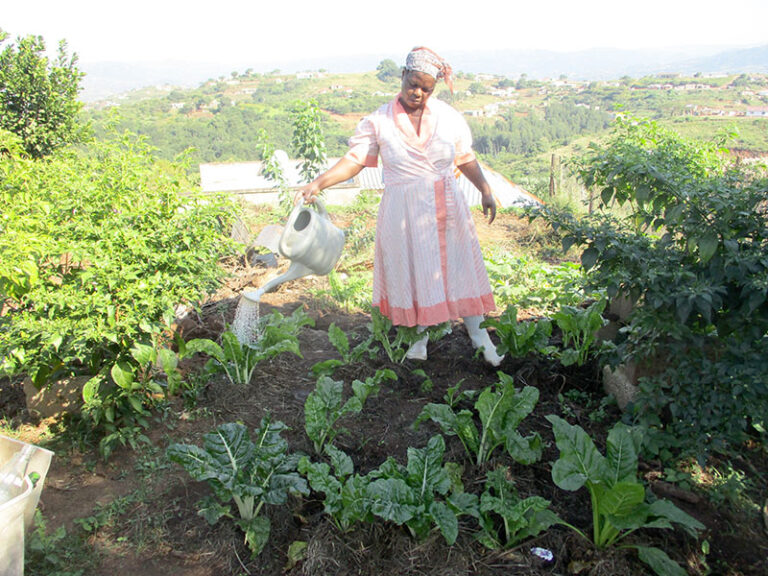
column 318, row 205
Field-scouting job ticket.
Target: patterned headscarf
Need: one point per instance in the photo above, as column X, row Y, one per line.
column 422, row 59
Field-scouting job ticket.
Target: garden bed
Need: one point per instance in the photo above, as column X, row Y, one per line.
column 137, row 511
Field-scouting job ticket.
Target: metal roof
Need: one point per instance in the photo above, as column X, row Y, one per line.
column 247, row 177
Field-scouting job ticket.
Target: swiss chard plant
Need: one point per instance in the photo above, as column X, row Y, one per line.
column 395, row 346
column 325, row 405
column 348, row 353
column 500, row 409
column 244, row 472
column 618, row 500
column 344, row 491
column 506, row 519
column 422, row 494
column 519, row 339
column 277, row 334
column 579, row 326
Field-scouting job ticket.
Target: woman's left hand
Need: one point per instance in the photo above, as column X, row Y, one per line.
column 489, row 207
column 474, row 173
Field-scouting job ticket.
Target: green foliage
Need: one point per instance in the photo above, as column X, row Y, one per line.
column 618, row 500
column 420, row 494
column 325, row 405
column 520, row 518
column 98, row 248
column 701, row 403
column 690, row 251
column 349, row 354
column 54, row 553
column 275, row 334
column 388, row 71
column 119, row 402
column 308, row 140
column 345, row 492
column 246, row 472
column 500, row 409
column 519, row 339
column 535, row 132
column 396, row 346
column 524, row 282
column 579, row 326
column 39, row 98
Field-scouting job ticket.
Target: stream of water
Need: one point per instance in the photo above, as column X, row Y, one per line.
column 245, row 326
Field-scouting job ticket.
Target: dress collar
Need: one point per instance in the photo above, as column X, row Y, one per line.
column 406, row 128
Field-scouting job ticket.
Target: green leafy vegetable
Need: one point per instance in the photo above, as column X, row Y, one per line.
column 325, row 405
column 521, row 518
column 619, row 505
column 579, row 327
column 345, row 501
column 248, row 473
column 518, row 339
column 500, row 410
column 277, row 334
column 420, row 494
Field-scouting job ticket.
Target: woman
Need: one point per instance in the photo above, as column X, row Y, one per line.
column 428, row 267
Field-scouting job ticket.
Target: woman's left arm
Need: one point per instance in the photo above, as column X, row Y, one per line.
column 475, row 175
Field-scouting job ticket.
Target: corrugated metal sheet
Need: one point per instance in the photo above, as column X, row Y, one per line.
column 241, row 177
column 507, row 193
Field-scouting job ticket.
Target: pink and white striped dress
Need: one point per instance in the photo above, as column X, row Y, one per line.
column 428, row 267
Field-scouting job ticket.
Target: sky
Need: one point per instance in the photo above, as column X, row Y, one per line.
column 258, row 32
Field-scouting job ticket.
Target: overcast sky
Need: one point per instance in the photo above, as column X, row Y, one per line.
column 264, row 31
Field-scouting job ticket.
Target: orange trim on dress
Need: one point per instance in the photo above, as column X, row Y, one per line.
column 406, row 128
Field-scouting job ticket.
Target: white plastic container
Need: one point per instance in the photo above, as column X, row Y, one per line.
column 17, row 515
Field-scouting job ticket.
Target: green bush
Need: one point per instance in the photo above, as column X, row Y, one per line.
column 98, row 246
column 691, row 252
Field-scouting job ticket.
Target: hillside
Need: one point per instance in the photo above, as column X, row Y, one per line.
column 104, row 79
column 517, row 125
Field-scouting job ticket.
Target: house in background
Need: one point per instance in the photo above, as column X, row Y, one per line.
column 246, row 180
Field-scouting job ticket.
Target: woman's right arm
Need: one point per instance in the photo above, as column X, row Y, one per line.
column 343, row 170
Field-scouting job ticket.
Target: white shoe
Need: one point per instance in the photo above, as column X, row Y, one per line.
column 489, row 350
column 418, row 350
column 481, row 339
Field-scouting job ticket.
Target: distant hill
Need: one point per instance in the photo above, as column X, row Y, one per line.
column 104, row 79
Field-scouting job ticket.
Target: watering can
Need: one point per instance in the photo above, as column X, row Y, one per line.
column 310, row 241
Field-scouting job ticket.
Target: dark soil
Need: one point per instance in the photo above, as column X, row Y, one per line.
column 153, row 528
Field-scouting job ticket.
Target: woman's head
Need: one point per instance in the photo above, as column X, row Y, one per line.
column 425, row 61
column 416, row 88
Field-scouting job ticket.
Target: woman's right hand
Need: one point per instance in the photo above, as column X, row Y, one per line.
column 308, row 193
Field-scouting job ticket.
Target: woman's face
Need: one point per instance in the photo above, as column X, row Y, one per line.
column 416, row 88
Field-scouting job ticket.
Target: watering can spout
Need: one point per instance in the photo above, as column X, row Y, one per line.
column 295, row 270
column 310, row 241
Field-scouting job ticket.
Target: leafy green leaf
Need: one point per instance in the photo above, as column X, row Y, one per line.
column 257, row 532
column 445, row 520
column 425, row 467
column 122, row 374
column 708, row 244
column 589, row 258
column 659, row 561
column 621, row 499
column 621, row 453
column 579, row 460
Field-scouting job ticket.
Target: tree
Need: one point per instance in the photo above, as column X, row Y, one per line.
column 478, row 88
column 38, row 98
column 308, row 139
column 387, row 70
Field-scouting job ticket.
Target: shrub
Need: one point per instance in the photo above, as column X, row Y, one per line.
column 690, row 251
column 97, row 248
